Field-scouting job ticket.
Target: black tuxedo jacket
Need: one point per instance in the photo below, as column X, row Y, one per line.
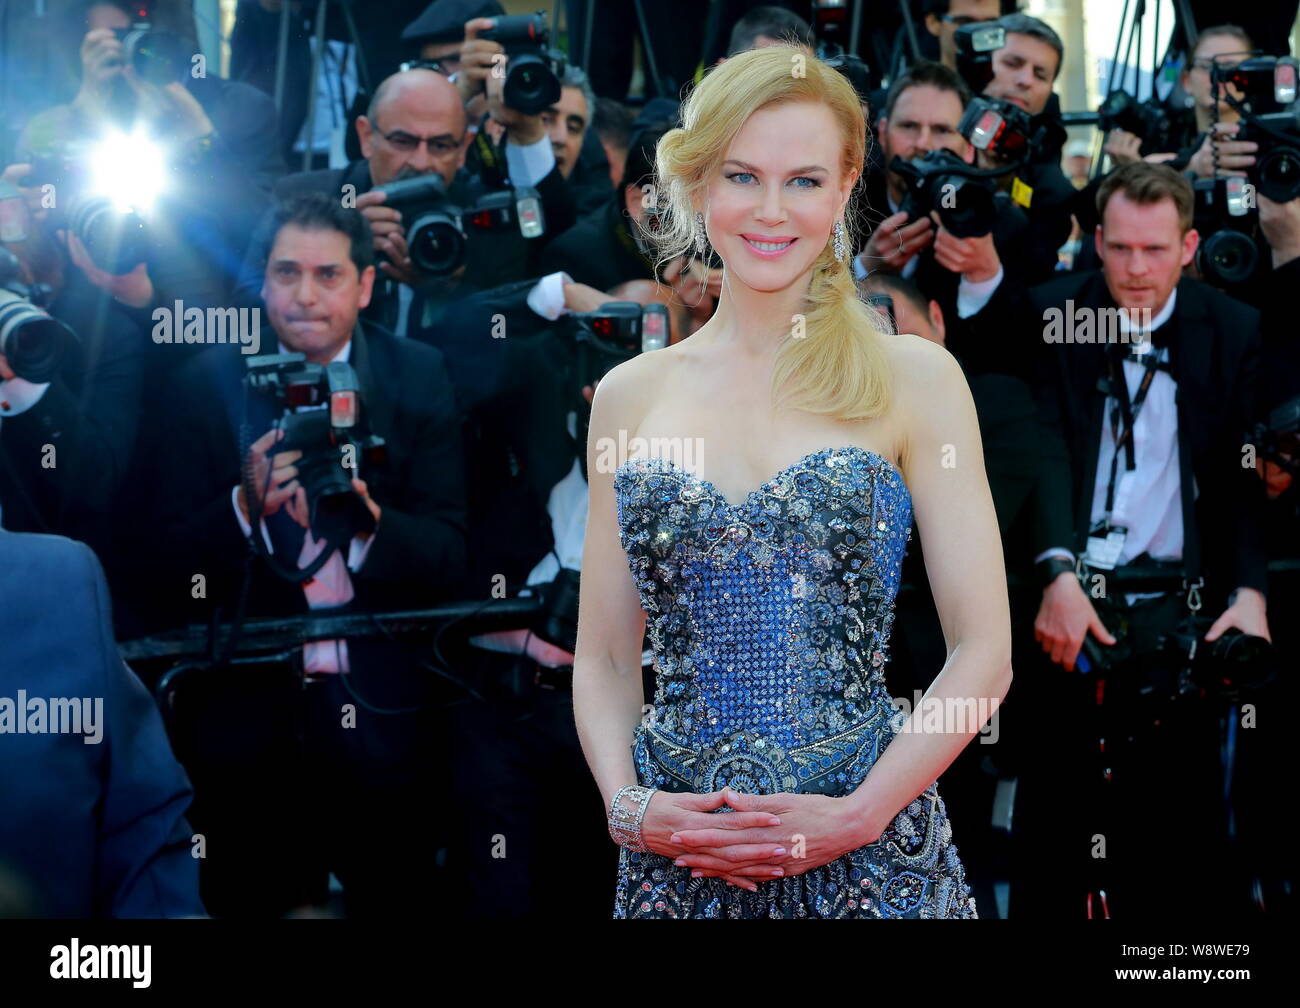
column 1214, row 358
column 516, row 392
column 418, row 550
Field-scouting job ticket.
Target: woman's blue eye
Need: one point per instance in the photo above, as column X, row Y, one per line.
column 736, row 175
column 805, row 178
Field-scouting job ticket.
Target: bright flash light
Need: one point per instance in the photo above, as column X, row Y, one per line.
column 129, row 170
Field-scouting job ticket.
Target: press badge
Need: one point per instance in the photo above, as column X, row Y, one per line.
column 1105, row 548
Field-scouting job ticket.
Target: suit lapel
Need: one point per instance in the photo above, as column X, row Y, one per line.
column 379, row 407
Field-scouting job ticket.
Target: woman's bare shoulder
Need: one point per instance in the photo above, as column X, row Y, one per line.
column 925, row 373
column 624, row 394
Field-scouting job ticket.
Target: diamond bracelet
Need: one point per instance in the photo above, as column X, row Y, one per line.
column 625, row 818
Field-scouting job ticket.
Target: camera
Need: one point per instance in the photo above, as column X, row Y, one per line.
column 976, row 43
column 533, row 68
column 1269, row 117
column 999, row 128
column 1147, row 120
column 1224, row 213
column 159, row 57
column 326, row 424
column 31, row 340
column 436, row 229
column 942, row 181
column 617, row 332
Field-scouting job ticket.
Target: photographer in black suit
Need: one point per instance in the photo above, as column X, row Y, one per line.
column 1172, row 381
column 339, row 738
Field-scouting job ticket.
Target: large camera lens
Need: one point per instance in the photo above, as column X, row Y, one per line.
column 1227, row 257
column 115, row 238
column 158, row 57
column 31, row 341
column 531, row 86
column 965, row 206
column 436, row 243
column 1278, row 172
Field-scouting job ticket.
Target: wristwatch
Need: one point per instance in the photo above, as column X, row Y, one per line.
column 1052, row 567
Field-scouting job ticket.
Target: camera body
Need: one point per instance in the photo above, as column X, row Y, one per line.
column 533, row 68
column 1000, row 128
column 437, row 230
column 617, row 332
column 1227, row 219
column 324, row 422
column 976, row 43
column 1269, row 117
column 962, row 194
column 1148, row 120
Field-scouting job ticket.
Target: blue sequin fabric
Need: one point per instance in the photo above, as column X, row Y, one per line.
column 770, row 623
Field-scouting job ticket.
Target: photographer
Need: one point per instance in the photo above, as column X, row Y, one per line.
column 406, row 511
column 1024, row 71
column 565, row 115
column 415, row 128
column 215, row 140
column 922, row 115
column 70, row 400
column 1172, row 505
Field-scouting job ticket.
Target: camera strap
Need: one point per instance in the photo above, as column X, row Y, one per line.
column 491, row 170
column 1126, row 412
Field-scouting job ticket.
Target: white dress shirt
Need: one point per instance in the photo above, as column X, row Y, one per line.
column 1147, row 498
column 332, row 586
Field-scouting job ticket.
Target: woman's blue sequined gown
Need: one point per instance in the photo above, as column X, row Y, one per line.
column 770, row 622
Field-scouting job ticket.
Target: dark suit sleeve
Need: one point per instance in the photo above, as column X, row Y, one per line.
column 1249, row 558
column 421, row 533
column 144, row 866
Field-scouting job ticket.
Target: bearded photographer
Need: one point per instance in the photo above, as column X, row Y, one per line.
column 1165, row 533
column 922, row 114
column 70, row 383
column 357, row 781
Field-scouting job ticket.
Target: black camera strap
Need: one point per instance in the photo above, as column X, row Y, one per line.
column 1127, row 412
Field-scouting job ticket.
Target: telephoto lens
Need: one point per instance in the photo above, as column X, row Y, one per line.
column 115, row 237
column 31, row 341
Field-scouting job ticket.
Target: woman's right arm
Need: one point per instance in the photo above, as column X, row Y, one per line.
column 607, row 692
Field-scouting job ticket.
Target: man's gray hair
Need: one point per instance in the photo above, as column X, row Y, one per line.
column 575, row 76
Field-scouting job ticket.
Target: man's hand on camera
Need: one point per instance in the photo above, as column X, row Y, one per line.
column 1123, row 146
column 1280, row 223
column 477, row 57
column 102, row 60
column 581, row 298
column 893, row 243
column 6, row 372
column 1065, row 617
column 134, row 289
column 974, row 259
column 389, row 237
column 285, row 490
column 1234, row 156
column 16, row 175
column 1246, row 613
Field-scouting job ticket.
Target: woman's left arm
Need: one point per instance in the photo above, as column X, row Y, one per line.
column 943, row 465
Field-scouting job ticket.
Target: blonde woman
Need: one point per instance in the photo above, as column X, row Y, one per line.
column 765, row 547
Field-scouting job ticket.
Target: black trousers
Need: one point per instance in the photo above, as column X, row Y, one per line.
column 1121, row 798
column 531, row 837
column 294, row 780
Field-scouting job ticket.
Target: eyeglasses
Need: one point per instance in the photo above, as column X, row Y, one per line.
column 445, row 65
column 1226, row 60
column 439, row 147
column 960, row 20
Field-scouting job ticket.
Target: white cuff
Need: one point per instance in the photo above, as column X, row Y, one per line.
column 547, row 296
column 1055, row 551
column 972, row 296
column 859, row 271
column 528, row 165
column 18, row 395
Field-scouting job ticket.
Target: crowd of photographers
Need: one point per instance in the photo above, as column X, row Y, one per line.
column 322, row 338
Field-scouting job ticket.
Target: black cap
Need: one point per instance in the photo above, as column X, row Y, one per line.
column 444, row 20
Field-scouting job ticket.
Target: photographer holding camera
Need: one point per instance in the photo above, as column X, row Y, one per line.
column 948, row 230
column 70, row 382
column 1147, row 518
column 361, row 530
column 413, row 140
column 209, row 162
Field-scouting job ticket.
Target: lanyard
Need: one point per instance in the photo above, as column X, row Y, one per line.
column 1124, row 438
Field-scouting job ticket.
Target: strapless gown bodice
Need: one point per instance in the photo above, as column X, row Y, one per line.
column 769, row 621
